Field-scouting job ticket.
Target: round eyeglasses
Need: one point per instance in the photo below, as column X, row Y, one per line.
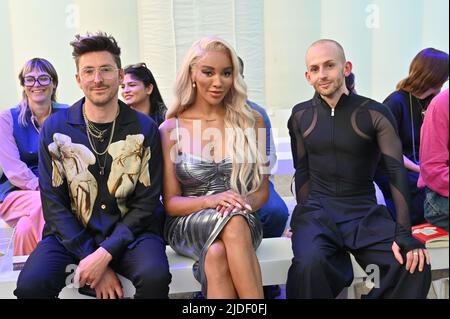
column 41, row 80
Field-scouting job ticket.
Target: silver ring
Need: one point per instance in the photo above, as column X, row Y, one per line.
column 415, row 253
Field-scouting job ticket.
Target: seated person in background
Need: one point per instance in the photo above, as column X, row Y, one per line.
column 427, row 73
column 350, row 84
column 434, row 157
column 20, row 200
column 100, row 175
column 274, row 213
column 141, row 93
column 214, row 172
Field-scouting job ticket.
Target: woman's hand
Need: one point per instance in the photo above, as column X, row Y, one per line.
column 227, row 202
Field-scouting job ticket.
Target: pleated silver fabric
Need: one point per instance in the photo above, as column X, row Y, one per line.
column 192, row 235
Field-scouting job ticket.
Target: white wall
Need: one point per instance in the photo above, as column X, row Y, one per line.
column 380, row 37
column 44, row 28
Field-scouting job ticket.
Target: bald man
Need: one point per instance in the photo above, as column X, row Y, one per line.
column 337, row 139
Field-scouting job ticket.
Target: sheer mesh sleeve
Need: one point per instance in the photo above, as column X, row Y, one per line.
column 300, row 158
column 391, row 154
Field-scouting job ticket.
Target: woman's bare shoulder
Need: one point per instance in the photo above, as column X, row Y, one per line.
column 168, row 125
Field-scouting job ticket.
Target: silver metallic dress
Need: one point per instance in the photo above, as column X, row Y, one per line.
column 192, row 235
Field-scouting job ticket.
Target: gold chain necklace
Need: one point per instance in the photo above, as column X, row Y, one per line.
column 96, row 132
column 89, row 133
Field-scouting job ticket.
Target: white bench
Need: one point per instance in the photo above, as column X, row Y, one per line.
column 274, row 255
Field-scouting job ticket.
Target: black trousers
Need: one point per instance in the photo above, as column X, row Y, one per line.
column 322, row 267
column 50, row 267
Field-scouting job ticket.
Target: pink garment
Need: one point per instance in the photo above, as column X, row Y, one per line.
column 434, row 146
column 22, row 209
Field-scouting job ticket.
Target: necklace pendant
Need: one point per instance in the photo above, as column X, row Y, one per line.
column 102, row 171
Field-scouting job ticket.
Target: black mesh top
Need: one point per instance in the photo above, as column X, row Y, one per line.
column 336, row 155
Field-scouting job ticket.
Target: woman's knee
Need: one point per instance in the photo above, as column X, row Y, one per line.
column 236, row 230
column 216, row 252
column 216, row 259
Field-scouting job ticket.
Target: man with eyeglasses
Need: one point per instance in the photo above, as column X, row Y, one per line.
column 100, row 177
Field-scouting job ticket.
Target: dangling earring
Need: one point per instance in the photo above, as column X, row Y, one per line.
column 194, row 85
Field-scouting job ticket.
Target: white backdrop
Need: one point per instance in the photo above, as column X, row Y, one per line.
column 380, row 38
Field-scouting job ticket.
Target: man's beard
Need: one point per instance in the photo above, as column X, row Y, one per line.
column 332, row 89
column 103, row 99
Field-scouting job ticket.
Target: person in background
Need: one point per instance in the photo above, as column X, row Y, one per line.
column 434, row 158
column 141, row 93
column 215, row 178
column 428, row 72
column 274, row 214
column 20, row 201
column 350, row 82
column 351, row 87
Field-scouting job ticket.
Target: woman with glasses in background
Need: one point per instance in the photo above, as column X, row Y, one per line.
column 141, row 93
column 20, row 202
column 428, row 72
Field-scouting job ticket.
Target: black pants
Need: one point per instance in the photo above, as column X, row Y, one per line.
column 322, row 267
column 50, row 266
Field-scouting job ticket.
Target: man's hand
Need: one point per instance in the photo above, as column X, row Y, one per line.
column 413, row 257
column 109, row 286
column 91, row 269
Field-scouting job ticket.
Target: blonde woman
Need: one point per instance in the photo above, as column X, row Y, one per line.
column 214, row 179
column 20, row 201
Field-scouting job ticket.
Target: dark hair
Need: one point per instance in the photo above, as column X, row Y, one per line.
column 95, row 43
column 428, row 70
column 350, row 82
column 241, row 66
column 142, row 73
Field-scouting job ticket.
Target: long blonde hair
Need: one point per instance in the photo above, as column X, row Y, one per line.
column 246, row 176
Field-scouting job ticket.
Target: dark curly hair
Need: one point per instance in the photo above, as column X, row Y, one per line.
column 95, row 43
